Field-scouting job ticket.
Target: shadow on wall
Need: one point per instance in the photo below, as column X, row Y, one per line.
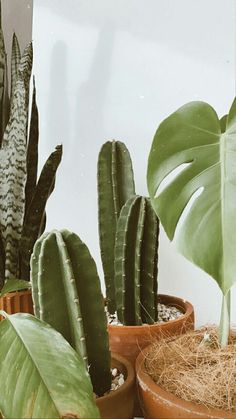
column 148, row 20
column 91, row 96
column 58, row 97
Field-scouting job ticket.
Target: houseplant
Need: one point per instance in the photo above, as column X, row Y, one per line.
column 191, row 181
column 67, row 295
column 43, row 376
column 129, row 232
column 22, row 196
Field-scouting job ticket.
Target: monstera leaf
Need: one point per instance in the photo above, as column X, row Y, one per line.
column 42, row 376
column 197, row 204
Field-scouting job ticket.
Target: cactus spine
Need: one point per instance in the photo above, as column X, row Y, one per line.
column 67, row 295
column 136, row 262
column 115, row 187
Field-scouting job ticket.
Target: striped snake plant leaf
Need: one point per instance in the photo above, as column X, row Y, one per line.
column 13, row 166
column 4, row 99
column 32, row 152
column 197, row 205
column 15, row 62
column 43, row 376
column 35, row 215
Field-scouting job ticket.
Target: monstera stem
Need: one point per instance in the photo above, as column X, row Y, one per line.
column 225, row 319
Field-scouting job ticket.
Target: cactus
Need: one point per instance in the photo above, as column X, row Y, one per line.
column 22, row 199
column 115, row 186
column 136, row 262
column 67, row 295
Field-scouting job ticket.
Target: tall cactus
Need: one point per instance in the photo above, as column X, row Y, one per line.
column 67, row 295
column 115, row 187
column 136, row 262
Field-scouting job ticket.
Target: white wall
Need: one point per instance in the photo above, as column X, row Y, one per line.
column 114, row 69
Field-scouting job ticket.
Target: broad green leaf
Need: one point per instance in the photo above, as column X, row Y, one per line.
column 206, row 232
column 14, row 285
column 41, row 375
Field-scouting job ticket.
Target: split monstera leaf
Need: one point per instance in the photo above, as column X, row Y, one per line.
column 192, row 184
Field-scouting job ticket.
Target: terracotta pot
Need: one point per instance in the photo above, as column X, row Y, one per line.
column 158, row 403
column 128, row 341
column 17, row 302
column 119, row 404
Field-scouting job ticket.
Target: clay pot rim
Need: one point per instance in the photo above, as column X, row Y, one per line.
column 19, row 293
column 175, row 301
column 129, row 381
column 145, row 381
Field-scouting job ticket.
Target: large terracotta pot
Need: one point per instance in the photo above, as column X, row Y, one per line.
column 128, row 341
column 119, row 404
column 17, row 302
column 158, row 403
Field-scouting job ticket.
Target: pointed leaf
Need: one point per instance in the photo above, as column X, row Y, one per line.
column 4, row 99
column 35, row 214
column 13, row 167
column 206, row 232
column 15, row 62
column 43, row 376
column 32, row 153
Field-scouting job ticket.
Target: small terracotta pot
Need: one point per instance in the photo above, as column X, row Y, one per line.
column 158, row 403
column 17, row 302
column 119, row 404
column 128, row 341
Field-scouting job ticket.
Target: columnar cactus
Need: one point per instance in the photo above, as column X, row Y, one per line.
column 115, row 186
column 136, row 262
column 67, row 295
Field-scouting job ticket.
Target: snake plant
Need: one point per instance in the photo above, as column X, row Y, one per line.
column 23, row 197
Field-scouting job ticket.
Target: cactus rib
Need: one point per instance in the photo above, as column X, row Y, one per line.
column 115, row 186
column 67, row 295
column 135, row 262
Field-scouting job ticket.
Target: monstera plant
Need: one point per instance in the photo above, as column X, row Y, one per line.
column 192, row 184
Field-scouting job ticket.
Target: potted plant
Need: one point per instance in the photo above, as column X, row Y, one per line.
column 191, row 181
column 23, row 197
column 129, row 235
column 43, row 376
column 67, row 294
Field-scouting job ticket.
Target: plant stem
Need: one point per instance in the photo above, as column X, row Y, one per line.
column 225, row 319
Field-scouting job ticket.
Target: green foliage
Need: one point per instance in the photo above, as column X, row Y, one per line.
column 43, row 376
column 115, row 187
column 206, row 234
column 13, row 285
column 23, row 198
column 129, row 231
column 136, row 262
column 67, row 295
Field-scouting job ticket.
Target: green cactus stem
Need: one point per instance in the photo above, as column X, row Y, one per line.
column 67, row 295
column 136, row 263
column 115, row 187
